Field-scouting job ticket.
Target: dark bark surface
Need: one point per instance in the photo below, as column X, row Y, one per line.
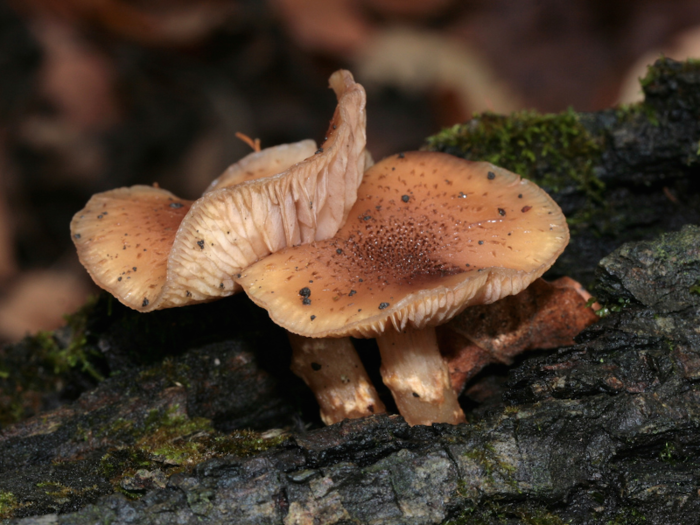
column 606, row 431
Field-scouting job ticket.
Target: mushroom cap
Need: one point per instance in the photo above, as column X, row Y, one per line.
column 429, row 235
column 198, row 247
column 264, row 163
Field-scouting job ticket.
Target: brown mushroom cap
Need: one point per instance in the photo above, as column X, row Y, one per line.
column 429, row 235
column 198, row 247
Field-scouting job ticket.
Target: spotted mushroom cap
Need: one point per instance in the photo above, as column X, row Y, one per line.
column 429, row 235
column 152, row 250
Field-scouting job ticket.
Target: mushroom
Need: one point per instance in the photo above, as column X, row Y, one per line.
column 330, row 367
column 152, row 250
column 429, row 235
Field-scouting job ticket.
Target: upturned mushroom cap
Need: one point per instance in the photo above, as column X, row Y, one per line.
column 192, row 250
column 430, row 234
column 265, row 163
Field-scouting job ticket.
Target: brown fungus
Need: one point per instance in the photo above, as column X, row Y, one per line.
column 412, row 266
column 195, row 247
column 280, row 196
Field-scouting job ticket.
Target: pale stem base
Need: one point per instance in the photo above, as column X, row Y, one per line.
column 337, row 377
column 418, row 377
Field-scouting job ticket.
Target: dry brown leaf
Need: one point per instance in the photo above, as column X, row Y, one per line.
column 545, row 315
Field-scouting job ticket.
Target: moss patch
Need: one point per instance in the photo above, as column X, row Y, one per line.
column 553, row 150
column 492, row 463
column 172, row 442
column 695, row 289
column 492, row 513
column 8, row 504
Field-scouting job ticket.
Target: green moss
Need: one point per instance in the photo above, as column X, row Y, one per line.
column 657, row 70
column 491, row 463
column 76, row 354
column 553, row 150
column 62, row 493
column 695, row 289
column 41, row 365
column 668, row 453
column 171, row 441
column 608, row 308
column 492, row 513
column 8, row 504
column 175, row 372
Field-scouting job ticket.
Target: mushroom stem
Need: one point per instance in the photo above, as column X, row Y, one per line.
column 335, row 374
column 418, row 377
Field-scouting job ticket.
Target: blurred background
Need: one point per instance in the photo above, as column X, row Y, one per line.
column 97, row 94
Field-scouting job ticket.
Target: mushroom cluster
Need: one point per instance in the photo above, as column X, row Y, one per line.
column 153, row 250
column 331, row 256
column 429, row 235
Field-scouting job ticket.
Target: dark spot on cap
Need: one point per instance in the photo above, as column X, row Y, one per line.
column 415, row 394
column 367, row 217
column 221, row 285
column 339, row 251
column 316, row 367
column 188, row 293
column 134, row 268
column 144, row 303
column 405, row 198
column 176, row 205
column 481, row 242
column 77, row 236
column 501, row 212
column 99, row 216
column 313, row 317
column 361, row 280
column 520, row 196
column 304, row 292
column 238, row 276
column 383, row 305
column 401, row 155
column 491, row 175
column 352, row 292
column 200, row 244
column 468, row 265
column 119, row 278
column 319, row 150
column 306, row 301
column 526, row 209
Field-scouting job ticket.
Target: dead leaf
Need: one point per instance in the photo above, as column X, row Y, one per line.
column 545, row 315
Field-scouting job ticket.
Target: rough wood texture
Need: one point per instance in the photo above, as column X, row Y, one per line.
column 606, row 431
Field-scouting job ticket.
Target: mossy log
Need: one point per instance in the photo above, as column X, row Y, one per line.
column 200, row 421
